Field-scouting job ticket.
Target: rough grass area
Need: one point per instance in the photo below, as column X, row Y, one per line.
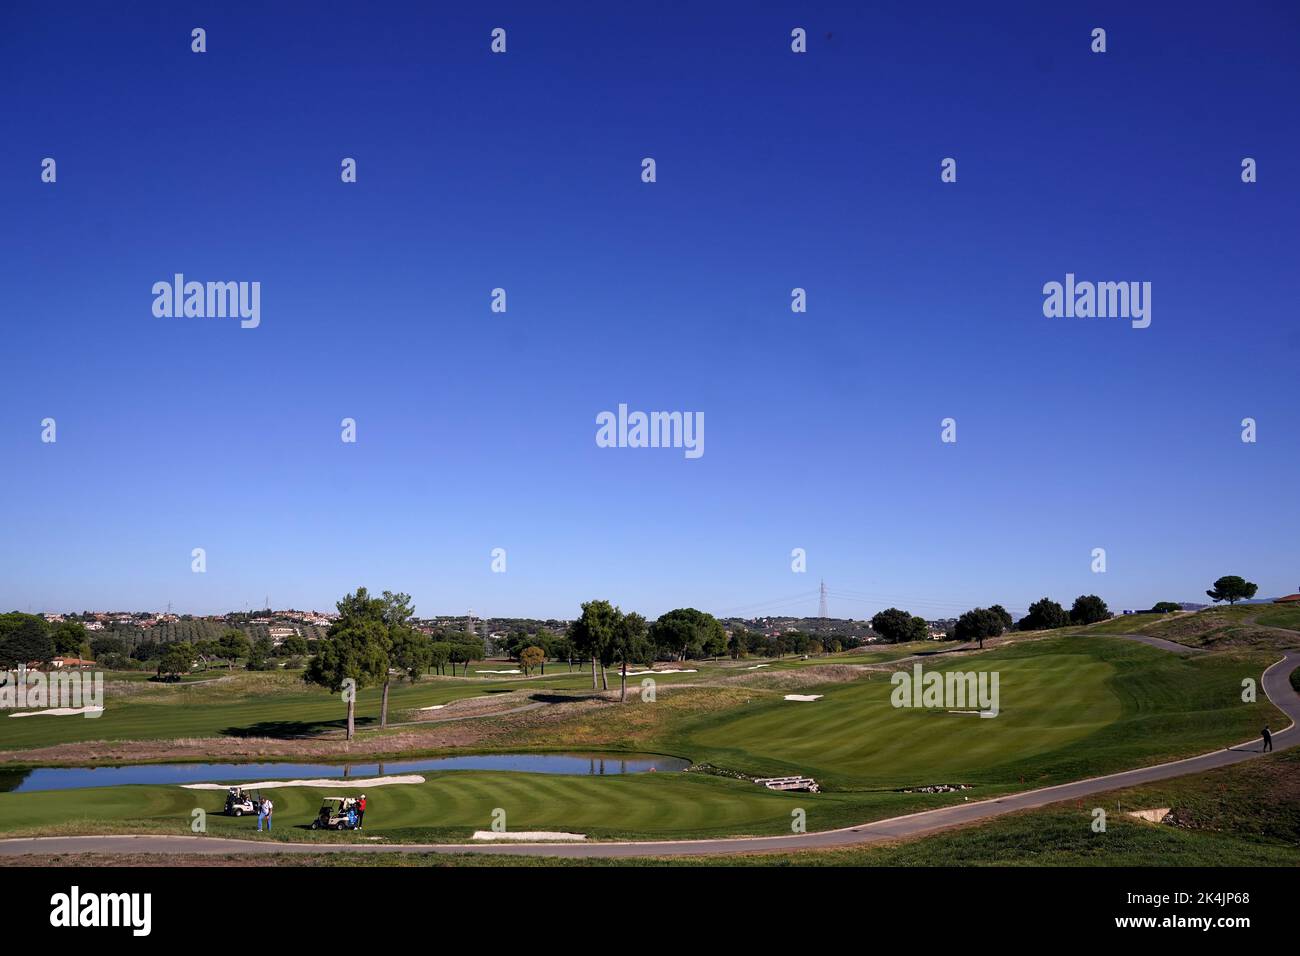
column 1125, row 624
column 1278, row 615
column 1245, row 625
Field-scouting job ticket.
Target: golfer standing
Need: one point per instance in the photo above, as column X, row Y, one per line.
column 1268, row 739
column 261, row 814
column 269, row 808
column 361, row 811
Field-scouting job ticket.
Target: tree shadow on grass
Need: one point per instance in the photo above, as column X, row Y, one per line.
column 566, row 698
column 291, row 729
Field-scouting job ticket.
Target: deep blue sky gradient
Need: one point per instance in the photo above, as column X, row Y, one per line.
column 477, row 430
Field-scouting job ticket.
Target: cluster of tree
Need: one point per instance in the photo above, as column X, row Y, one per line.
column 899, row 627
column 686, row 633
column 607, row 636
column 746, row 643
column 30, row 639
column 180, row 657
column 980, row 623
column 176, row 659
column 373, row 639
column 552, row 646
column 1046, row 614
column 681, row 634
column 24, row 639
column 458, row 647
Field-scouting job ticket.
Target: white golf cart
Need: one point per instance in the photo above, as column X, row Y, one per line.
column 336, row 813
column 240, row 801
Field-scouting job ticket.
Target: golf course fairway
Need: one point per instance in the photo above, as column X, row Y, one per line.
column 1071, row 707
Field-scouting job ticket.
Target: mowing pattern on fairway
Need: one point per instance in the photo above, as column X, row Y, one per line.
column 1070, row 707
column 452, row 805
column 854, row 737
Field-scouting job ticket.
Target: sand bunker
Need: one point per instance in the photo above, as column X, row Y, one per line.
column 803, row 696
column 528, row 835
column 434, row 707
column 515, row 671
column 60, row 711
column 356, row 784
column 666, row 670
column 1152, row 816
column 757, row 666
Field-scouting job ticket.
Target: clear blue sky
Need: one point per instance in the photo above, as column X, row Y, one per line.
column 477, row 430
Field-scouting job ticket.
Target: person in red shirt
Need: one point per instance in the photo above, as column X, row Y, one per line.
column 361, row 811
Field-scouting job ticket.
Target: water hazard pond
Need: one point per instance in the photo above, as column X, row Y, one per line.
column 75, row 778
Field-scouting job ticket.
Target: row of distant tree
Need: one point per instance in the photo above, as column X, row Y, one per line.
column 29, row 638
column 195, row 630
column 681, row 634
column 977, row 624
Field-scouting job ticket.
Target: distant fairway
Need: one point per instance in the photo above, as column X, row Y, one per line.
column 1070, row 707
column 853, row 737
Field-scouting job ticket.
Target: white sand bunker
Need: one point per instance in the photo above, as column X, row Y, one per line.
column 1151, row 816
column 60, row 711
column 356, row 784
column 434, row 707
column 528, row 835
column 757, row 666
column 515, row 671
column 666, row 670
column 803, row 696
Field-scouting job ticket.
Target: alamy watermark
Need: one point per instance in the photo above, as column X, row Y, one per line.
column 951, row 690
column 210, row 300
column 129, row 910
column 1099, row 300
column 651, row 430
column 31, row 692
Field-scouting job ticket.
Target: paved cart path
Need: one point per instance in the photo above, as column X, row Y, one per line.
column 1276, row 685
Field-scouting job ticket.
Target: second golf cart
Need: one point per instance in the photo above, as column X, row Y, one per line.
column 240, row 801
column 336, row 813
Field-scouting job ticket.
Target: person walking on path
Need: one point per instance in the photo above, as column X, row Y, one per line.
column 1268, row 740
column 361, row 811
